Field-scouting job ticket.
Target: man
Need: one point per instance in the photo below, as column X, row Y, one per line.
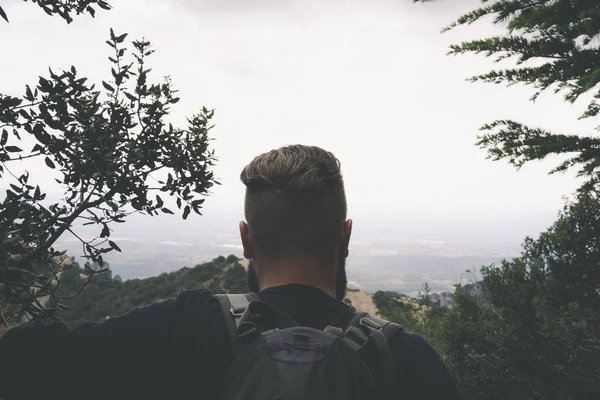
column 296, row 234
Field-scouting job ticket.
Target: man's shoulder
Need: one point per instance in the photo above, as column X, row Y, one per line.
column 200, row 303
column 186, row 302
column 198, row 310
column 184, row 308
column 411, row 341
column 422, row 366
column 415, row 350
column 195, row 295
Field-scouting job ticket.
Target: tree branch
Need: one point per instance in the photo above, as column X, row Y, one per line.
column 24, row 157
column 63, row 227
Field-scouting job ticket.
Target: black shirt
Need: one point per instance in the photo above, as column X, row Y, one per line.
column 178, row 349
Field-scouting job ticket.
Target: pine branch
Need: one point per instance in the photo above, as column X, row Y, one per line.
column 519, row 144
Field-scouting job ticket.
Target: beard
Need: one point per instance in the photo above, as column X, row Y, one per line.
column 252, row 279
column 341, row 280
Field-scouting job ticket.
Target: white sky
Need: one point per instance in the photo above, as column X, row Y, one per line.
column 368, row 80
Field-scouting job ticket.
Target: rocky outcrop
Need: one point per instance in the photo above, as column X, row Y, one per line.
column 444, row 299
column 361, row 301
column 244, row 263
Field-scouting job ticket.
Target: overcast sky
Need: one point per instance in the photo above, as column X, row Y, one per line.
column 368, row 80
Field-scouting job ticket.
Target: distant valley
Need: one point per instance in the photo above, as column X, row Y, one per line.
column 403, row 268
column 382, row 257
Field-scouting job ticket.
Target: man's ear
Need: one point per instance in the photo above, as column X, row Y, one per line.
column 345, row 238
column 247, row 242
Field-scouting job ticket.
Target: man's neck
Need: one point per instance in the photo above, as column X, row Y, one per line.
column 281, row 282
column 304, row 272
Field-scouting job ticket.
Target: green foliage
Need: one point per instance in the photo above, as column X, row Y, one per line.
column 539, row 335
column 107, row 297
column 114, row 154
column 555, row 46
column 421, row 315
column 235, row 279
column 231, row 259
column 394, row 309
column 65, row 8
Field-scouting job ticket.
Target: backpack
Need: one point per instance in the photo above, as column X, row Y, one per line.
column 274, row 358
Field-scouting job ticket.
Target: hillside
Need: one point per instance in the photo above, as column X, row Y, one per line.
column 107, row 296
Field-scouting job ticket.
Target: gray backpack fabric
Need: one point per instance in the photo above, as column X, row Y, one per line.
column 275, row 358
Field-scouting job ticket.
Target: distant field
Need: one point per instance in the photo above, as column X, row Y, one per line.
column 407, row 273
column 397, row 272
column 380, row 260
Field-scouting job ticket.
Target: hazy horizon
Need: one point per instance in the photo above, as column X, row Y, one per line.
column 385, row 254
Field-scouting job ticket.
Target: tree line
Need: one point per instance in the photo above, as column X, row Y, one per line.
column 107, row 296
column 535, row 332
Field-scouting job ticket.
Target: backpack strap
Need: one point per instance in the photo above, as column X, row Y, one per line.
column 386, row 327
column 262, row 318
column 374, row 347
column 232, row 308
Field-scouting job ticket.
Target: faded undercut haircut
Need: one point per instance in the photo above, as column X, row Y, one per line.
column 295, row 202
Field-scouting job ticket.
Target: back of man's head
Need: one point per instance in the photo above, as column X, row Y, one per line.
column 295, row 203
